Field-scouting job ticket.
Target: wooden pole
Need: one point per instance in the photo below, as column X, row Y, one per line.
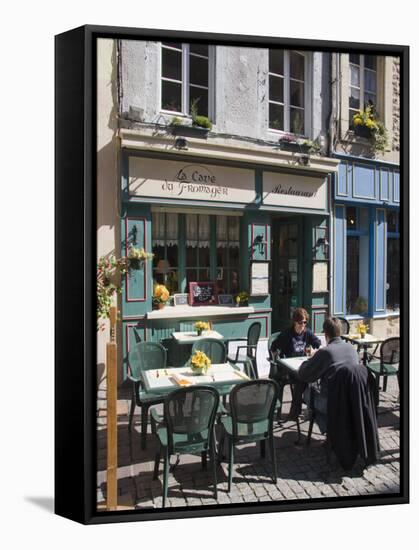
column 112, row 427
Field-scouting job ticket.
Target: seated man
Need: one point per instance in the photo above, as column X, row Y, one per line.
column 328, row 359
column 345, row 398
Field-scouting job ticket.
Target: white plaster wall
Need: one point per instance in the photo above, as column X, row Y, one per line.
column 140, row 77
column 241, row 91
column 107, row 163
column 241, row 88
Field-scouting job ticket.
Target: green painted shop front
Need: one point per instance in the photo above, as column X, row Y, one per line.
column 257, row 229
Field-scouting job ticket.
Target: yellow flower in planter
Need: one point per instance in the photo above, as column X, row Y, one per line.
column 200, row 363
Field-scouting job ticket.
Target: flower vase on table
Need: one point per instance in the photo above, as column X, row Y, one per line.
column 199, row 363
column 362, row 327
column 200, row 326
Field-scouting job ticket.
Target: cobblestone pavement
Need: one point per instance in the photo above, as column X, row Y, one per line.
column 303, row 471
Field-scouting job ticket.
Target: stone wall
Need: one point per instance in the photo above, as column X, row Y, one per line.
column 396, row 104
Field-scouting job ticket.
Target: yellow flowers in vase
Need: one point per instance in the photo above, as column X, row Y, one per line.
column 200, row 363
column 200, row 326
column 362, row 327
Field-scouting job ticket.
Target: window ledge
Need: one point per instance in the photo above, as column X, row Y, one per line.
column 195, row 312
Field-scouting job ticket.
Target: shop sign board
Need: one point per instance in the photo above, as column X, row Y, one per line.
column 166, row 179
column 294, row 191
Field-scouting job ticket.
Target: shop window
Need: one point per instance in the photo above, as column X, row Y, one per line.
column 362, row 82
column 207, row 245
column 186, row 78
column 287, row 91
column 357, row 246
column 165, row 244
column 393, row 261
column 198, row 236
column 228, row 254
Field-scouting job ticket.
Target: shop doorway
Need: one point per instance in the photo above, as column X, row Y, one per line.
column 287, row 281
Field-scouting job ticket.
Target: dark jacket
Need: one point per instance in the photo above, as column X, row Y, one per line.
column 291, row 344
column 351, row 414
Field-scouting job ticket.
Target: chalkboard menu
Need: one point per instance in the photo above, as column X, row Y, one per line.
column 202, row 294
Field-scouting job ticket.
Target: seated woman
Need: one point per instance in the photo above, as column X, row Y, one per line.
column 293, row 341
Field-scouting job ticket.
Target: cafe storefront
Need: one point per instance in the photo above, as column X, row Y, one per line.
column 256, row 227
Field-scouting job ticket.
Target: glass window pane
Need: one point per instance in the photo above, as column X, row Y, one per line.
column 201, row 49
column 276, row 61
column 352, row 280
column 191, row 256
column 393, row 274
column 392, row 222
column 297, row 65
column 198, row 70
column 370, row 99
column 370, row 62
column 171, row 96
column 370, row 81
column 276, row 116
column 297, row 93
column 354, row 98
column 297, row 121
column 351, row 217
column 199, row 95
column 354, row 58
column 203, row 275
column 203, row 256
column 177, row 45
column 354, row 75
column 234, row 281
column 222, row 252
column 171, row 66
column 234, row 256
column 276, row 88
column 234, row 229
column 191, row 276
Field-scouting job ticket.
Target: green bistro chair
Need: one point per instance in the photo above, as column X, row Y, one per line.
column 213, row 348
column 282, row 377
column 251, row 345
column 189, row 415
column 386, row 364
column 252, row 408
column 145, row 356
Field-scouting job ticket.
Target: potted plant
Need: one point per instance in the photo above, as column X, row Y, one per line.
column 199, row 127
column 160, row 296
column 366, row 124
column 200, row 363
column 242, row 299
column 108, row 279
column 289, row 142
column 361, row 305
column 137, row 256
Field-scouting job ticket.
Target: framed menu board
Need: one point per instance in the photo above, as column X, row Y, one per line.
column 259, row 278
column 202, row 294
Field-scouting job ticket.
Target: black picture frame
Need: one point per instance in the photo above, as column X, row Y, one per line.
column 75, row 296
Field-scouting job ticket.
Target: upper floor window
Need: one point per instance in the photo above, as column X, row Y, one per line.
column 287, row 91
column 185, row 77
column 363, row 82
